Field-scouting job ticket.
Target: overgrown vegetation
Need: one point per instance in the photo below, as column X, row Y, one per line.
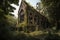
column 8, row 29
column 52, row 8
column 6, row 18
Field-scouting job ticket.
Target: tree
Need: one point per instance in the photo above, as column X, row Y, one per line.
column 52, row 8
column 5, row 9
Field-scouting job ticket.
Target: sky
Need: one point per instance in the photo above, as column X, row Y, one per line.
column 31, row 2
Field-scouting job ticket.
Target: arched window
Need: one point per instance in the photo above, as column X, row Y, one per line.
column 22, row 12
column 21, row 16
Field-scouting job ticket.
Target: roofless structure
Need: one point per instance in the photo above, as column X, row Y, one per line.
column 30, row 19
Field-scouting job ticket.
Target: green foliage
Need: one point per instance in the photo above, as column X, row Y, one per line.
column 5, row 5
column 52, row 8
column 11, row 20
column 5, row 21
column 23, row 24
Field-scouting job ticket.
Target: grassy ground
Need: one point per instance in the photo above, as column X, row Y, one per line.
column 36, row 35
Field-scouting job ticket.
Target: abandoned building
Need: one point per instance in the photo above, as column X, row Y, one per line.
column 30, row 19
